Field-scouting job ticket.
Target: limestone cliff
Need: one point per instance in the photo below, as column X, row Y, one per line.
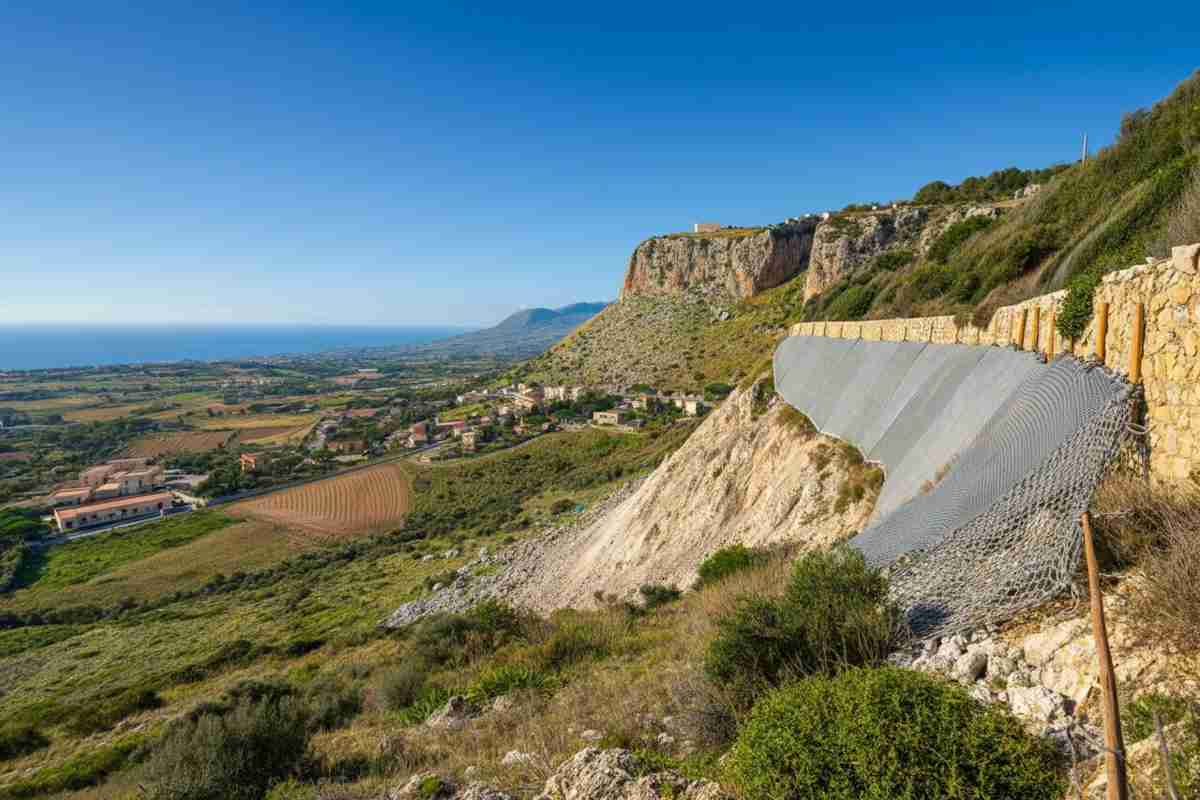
column 747, row 475
column 720, row 265
column 848, row 242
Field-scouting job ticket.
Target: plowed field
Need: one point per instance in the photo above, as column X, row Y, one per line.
column 168, row 444
column 366, row 501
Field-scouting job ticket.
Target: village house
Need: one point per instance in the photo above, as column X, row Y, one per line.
column 71, row 497
column 351, row 446
column 645, row 402
column 470, row 441
column 557, row 393
column 614, row 417
column 69, row 519
column 454, row 427
column 420, row 433
column 528, row 403
column 693, row 406
column 96, row 476
column 253, row 462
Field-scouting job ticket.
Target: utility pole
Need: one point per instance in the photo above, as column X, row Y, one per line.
column 1084, row 148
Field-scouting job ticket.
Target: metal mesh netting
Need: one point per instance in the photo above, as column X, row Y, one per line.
column 1022, row 444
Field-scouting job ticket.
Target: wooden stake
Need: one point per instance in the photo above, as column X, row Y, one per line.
column 1102, row 333
column 1050, row 344
column 1021, row 332
column 1035, row 342
column 1135, row 351
column 1114, row 758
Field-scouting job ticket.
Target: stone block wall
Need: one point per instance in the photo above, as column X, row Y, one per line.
column 1170, row 293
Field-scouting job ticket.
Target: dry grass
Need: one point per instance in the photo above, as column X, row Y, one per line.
column 1158, row 532
column 653, row 672
column 1183, row 224
column 168, row 444
column 366, row 501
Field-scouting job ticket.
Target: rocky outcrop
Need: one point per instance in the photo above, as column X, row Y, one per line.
column 845, row 243
column 748, row 475
column 595, row 774
column 721, row 265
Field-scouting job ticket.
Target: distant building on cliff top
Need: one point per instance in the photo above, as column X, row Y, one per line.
column 706, row 227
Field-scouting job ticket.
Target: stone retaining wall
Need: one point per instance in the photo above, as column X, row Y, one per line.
column 1170, row 292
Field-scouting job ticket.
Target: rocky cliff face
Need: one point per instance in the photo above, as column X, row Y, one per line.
column 719, row 265
column 844, row 244
column 744, row 476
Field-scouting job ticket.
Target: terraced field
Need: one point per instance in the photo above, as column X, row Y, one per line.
column 168, row 444
column 366, row 501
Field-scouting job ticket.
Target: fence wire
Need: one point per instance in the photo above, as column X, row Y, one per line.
column 999, row 532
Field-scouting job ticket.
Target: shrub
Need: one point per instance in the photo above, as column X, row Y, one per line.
column 1137, row 718
column 237, row 755
column 20, row 740
column 102, row 715
column 1183, row 223
column 78, row 772
column 871, row 734
column 653, row 596
column 953, row 237
column 562, row 506
column 572, row 641
column 727, row 561
column 893, row 260
column 1077, row 307
column 834, row 613
column 853, row 303
column 401, row 685
column 797, row 421
column 504, row 679
column 717, row 391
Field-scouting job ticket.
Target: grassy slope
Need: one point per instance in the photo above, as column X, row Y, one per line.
column 1091, row 218
column 181, row 648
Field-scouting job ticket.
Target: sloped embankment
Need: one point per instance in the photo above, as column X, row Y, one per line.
column 753, row 473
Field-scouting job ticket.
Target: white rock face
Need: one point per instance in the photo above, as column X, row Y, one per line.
column 739, row 479
column 1036, row 703
column 595, row 774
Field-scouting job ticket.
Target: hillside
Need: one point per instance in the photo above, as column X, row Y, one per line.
column 686, row 319
column 519, row 335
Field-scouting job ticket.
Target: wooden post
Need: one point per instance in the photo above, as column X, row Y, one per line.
column 1102, row 333
column 1035, row 343
column 1137, row 343
column 1050, row 344
column 1021, row 332
column 1114, row 758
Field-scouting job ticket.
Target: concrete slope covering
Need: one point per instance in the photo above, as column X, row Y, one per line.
column 990, row 457
column 912, row 407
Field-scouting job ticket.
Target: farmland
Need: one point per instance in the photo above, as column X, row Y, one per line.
column 251, row 421
column 170, row 444
column 369, row 500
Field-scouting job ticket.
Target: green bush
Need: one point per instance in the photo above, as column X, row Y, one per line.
column 504, row 679
column 20, row 740
column 834, row 614
column 953, row 237
column 237, row 755
column 78, row 772
column 1076, row 311
column 401, row 685
column 1137, row 718
column 893, row 260
column 562, row 506
column 878, row 734
column 853, row 303
column 727, row 561
column 102, row 715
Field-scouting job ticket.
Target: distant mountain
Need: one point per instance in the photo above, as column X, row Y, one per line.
column 520, row 335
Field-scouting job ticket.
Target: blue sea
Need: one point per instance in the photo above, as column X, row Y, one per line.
column 54, row 346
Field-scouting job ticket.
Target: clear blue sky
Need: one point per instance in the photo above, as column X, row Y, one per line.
column 423, row 163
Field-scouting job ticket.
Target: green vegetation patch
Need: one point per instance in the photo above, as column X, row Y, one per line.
column 82, row 560
column 877, row 734
column 728, row 561
column 834, row 613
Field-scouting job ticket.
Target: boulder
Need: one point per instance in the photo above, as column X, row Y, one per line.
column 514, row 758
column 1186, row 258
column 970, row 666
column 455, row 714
column 595, row 774
column 1036, row 704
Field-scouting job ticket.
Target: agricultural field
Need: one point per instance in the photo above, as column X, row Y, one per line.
column 170, row 444
column 250, row 421
column 101, row 413
column 270, row 435
column 365, row 501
